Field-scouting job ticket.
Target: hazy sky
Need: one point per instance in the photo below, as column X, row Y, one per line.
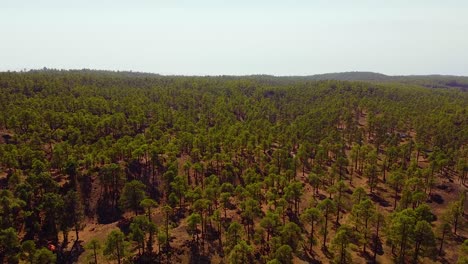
column 236, row 37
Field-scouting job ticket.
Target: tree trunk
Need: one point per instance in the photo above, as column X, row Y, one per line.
column 167, row 230
column 384, row 173
column 65, row 237
column 219, row 231
column 376, row 239
column 118, row 253
column 365, row 236
column 342, row 254
column 455, row 224
column 149, row 244
column 311, row 236
column 95, row 255
column 416, row 252
column 325, row 231
column 442, row 241
column 403, row 248
column 76, row 232
column 356, row 160
column 338, row 212
column 202, row 227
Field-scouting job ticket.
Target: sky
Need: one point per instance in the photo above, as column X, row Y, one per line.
column 208, row 37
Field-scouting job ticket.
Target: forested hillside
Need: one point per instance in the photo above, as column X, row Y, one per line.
column 99, row 167
column 430, row 81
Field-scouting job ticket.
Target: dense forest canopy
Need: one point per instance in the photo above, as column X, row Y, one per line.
column 142, row 168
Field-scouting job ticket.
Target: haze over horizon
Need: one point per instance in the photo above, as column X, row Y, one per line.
column 241, row 38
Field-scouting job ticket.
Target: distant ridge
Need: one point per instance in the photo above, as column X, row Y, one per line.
column 351, row 76
column 430, row 81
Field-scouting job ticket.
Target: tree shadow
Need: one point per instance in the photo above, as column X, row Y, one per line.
column 445, row 187
column 165, row 255
column 443, row 260
column 106, row 213
column 459, row 238
column 211, row 233
column 375, row 244
column 196, row 254
column 124, row 225
column 146, row 258
column 321, row 196
column 293, row 217
column 377, row 199
column 72, row 255
column 306, row 256
column 4, row 183
column 180, row 213
column 436, row 198
column 367, row 256
column 327, row 253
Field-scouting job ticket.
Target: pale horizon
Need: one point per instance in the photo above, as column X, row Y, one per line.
column 24, row 70
column 297, row 38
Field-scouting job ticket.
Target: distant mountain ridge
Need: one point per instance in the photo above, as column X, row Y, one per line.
column 374, row 76
column 350, row 76
column 430, row 81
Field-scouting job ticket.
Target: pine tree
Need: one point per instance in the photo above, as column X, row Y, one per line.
column 116, row 247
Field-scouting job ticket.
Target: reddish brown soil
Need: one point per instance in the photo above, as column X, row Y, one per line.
column 180, row 237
